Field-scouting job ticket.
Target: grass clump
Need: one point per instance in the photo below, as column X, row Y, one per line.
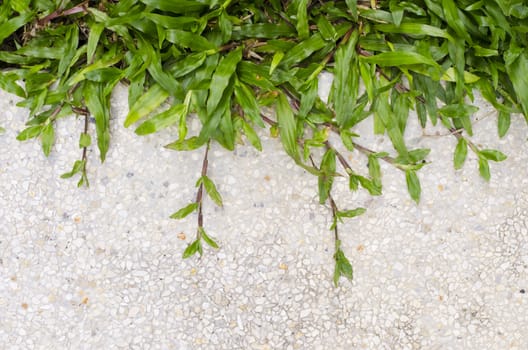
column 223, row 61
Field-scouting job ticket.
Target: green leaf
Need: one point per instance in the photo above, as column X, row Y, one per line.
column 183, row 212
column 346, row 81
column 226, row 27
column 396, row 12
column 419, row 154
column 458, row 110
column 171, row 22
column 399, row 58
column 484, row 52
column 109, row 59
column 96, row 29
column 352, row 6
column 504, row 121
column 326, row 179
column 351, row 213
column 252, row 136
column 77, row 167
column 374, row 170
column 382, row 111
column 413, row 185
column 396, row 136
column 492, row 154
column 9, row 27
column 373, row 188
column 457, row 54
column 192, row 249
column 451, row 75
column 246, row 99
column 207, row 239
column 460, row 153
column 104, row 75
column 177, row 7
column 99, row 106
column 346, row 138
column 255, row 75
column 85, row 140
column 162, row 120
column 218, row 124
column 309, row 96
column 517, row 68
column 275, row 61
column 221, row 77
column 72, row 42
column 342, row 266
column 326, row 28
column 367, row 74
column 9, row 83
column 147, row 103
column 430, row 90
column 29, row 133
column 189, row 144
column 211, row 190
column 83, row 180
column 484, row 168
column 303, row 50
column 287, row 126
column 302, row 18
column 19, row 6
column 186, row 64
column 414, row 29
column 189, row 40
column 262, row 31
column 454, row 20
column 353, row 181
column 47, row 138
column 156, row 70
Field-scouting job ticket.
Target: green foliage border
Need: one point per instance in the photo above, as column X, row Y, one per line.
column 223, row 61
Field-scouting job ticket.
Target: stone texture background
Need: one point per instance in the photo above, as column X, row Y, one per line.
column 101, row 267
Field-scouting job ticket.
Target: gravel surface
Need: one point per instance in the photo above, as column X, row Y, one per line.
column 101, row 268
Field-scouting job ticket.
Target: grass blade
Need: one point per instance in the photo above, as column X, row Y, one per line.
column 346, row 82
column 413, row 185
column 147, row 103
column 99, row 106
column 287, row 126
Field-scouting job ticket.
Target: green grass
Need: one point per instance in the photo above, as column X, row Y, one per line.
column 223, row 61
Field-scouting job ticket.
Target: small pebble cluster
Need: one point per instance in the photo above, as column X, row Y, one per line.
column 101, row 268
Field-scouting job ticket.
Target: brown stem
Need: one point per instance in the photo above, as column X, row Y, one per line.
column 335, row 129
column 458, row 134
column 295, row 100
column 343, row 41
column 227, row 47
column 334, row 215
column 341, row 159
column 269, row 121
column 81, row 111
column 286, row 19
column 82, row 7
column 359, row 147
column 56, row 111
